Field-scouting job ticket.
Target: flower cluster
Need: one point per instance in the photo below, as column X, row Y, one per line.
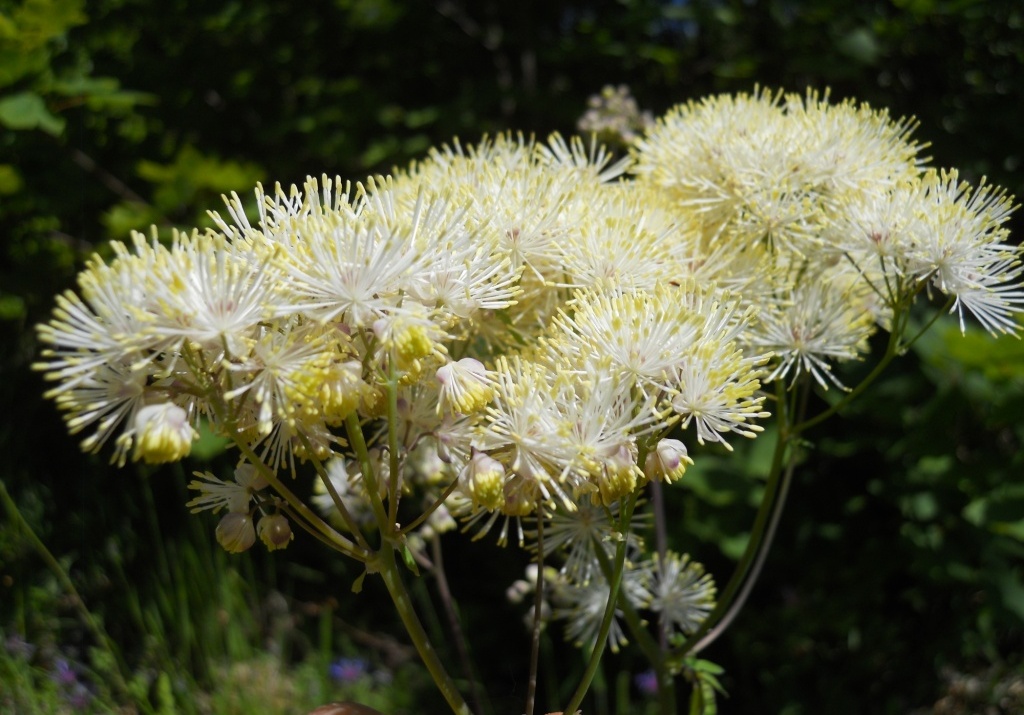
column 537, row 319
column 670, row 585
column 519, row 314
column 833, row 219
column 519, row 331
column 614, row 116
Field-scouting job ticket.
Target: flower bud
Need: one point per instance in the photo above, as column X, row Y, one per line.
column 617, row 476
column 163, row 434
column 235, row 532
column 464, row 386
column 249, row 477
column 667, row 462
column 275, row 531
column 341, row 391
column 483, row 481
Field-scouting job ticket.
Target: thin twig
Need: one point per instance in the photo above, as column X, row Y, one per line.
column 94, row 626
column 538, row 603
column 454, row 623
column 88, row 164
column 661, row 546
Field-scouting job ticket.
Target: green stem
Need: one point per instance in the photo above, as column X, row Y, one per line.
column 222, row 410
column 894, row 347
column 891, row 351
column 339, row 504
column 409, row 528
column 392, row 576
column 538, row 601
column 454, row 624
column 358, row 442
column 336, row 540
column 609, row 612
column 660, row 544
column 387, row 566
column 761, row 522
column 791, row 425
column 927, row 326
column 650, row 648
column 754, row 571
column 395, row 470
column 14, row 514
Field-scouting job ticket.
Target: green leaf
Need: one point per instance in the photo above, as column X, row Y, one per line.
column 1012, row 591
column 209, row 444
column 999, row 511
column 27, row 110
column 699, row 665
column 101, row 92
column 10, row 180
column 357, row 585
column 860, row 45
column 12, row 307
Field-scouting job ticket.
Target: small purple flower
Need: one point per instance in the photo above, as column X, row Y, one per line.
column 63, row 673
column 19, row 647
column 79, row 697
column 646, row 682
column 349, row 670
column 74, row 692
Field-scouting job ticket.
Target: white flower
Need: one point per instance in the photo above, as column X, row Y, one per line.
column 106, row 325
column 811, row 327
column 216, row 494
column 963, row 250
column 206, row 291
column 682, row 594
column 716, row 389
column 523, row 428
column 583, row 605
column 575, row 534
column 642, row 334
column 108, row 395
column 346, row 269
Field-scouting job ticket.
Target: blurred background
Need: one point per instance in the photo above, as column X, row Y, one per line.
column 896, row 584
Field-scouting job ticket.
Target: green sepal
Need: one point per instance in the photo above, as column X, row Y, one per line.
column 410, row 562
column 702, row 673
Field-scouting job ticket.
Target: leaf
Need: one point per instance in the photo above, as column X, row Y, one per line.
column 209, row 444
column 1012, row 591
column 357, row 585
column 860, row 45
column 704, row 666
column 10, row 180
column 27, row 110
column 12, row 307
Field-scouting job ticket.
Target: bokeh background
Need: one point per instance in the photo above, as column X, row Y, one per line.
column 897, row 581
